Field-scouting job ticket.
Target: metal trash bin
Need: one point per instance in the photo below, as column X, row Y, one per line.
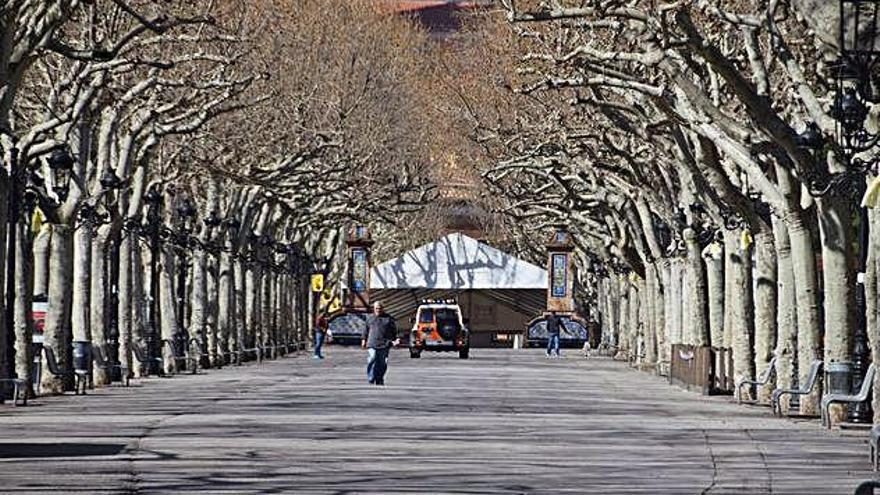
column 838, row 377
column 82, row 355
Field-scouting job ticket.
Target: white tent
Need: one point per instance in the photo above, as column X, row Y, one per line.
column 457, row 261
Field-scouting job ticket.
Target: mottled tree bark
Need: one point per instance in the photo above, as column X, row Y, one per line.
column 240, row 304
column 82, row 266
column 168, row 308
column 226, row 305
column 835, row 227
column 41, row 259
column 23, row 322
column 739, row 305
column 213, row 357
column 139, row 303
column 697, row 321
column 765, row 308
column 97, row 298
column 872, row 299
column 199, row 298
column 714, row 256
column 124, row 307
column 57, row 331
column 786, row 317
column 653, row 302
column 803, row 257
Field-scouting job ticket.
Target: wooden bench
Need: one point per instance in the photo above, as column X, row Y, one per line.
column 763, row 379
column 141, row 355
column 804, row 389
column 102, row 362
column 18, row 390
column 861, row 396
column 81, row 377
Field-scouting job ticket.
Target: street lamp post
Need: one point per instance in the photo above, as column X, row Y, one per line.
column 110, row 182
column 153, row 199
column 13, row 201
column 185, row 211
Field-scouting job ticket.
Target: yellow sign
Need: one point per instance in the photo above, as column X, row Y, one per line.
column 317, row 282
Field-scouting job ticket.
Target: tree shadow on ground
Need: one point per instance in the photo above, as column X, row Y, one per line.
column 44, row 450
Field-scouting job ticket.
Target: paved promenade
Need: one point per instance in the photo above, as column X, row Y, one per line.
column 502, row 422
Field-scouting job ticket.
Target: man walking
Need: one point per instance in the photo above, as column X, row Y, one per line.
column 553, row 329
column 320, row 332
column 379, row 336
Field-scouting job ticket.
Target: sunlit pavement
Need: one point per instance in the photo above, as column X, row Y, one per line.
column 504, row 421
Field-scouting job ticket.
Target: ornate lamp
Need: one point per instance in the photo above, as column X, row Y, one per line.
column 61, row 165
column 110, row 181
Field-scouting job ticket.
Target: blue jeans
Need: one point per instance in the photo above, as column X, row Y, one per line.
column 319, row 342
column 553, row 343
column 377, row 365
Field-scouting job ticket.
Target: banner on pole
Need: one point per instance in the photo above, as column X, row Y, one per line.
column 317, row 282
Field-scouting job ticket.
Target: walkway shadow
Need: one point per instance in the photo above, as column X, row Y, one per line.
column 47, row 450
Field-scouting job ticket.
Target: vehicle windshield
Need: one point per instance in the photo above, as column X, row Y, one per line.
column 447, row 318
column 426, row 315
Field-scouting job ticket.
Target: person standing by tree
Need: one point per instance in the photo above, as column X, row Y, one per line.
column 553, row 329
column 378, row 337
column 320, row 332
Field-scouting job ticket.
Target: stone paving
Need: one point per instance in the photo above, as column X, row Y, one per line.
column 503, row 422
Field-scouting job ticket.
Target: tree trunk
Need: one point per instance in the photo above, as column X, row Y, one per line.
column 133, row 263
column 82, row 266
column 786, row 317
column 765, row 308
column 252, row 305
column 623, row 317
column 41, row 260
column 98, row 298
column 803, row 259
column 57, row 331
column 872, row 296
column 124, row 310
column 675, row 302
column 199, row 300
column 5, row 365
column 22, row 315
column 213, row 357
column 697, row 296
column 266, row 312
column 664, row 349
column 835, row 227
column 653, row 302
column 714, row 256
column 241, row 317
column 740, row 310
column 225, row 304
column 168, row 308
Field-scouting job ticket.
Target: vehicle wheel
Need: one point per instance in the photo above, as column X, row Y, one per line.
column 415, row 354
column 463, row 354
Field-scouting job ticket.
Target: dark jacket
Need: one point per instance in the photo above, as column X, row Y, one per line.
column 380, row 331
column 553, row 325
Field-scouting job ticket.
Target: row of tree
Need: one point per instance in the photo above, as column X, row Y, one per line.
column 691, row 145
column 175, row 170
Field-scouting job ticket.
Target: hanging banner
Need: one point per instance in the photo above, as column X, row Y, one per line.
column 317, row 282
